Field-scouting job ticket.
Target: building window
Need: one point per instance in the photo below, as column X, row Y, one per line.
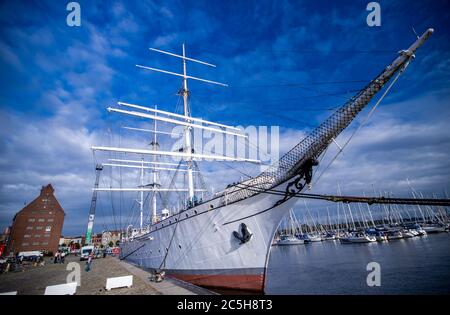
column 29, row 227
column 44, row 243
column 37, row 235
column 48, row 228
column 50, row 220
column 39, row 227
column 31, row 220
column 25, row 244
column 46, row 235
column 27, row 235
column 41, row 220
column 35, row 243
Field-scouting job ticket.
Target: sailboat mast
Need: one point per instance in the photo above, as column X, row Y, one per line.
column 329, row 220
column 187, row 133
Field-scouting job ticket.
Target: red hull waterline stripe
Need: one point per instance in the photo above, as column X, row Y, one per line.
column 235, row 282
column 245, row 282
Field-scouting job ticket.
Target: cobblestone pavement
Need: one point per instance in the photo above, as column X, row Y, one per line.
column 33, row 280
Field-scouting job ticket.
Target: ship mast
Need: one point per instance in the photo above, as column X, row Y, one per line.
column 187, row 132
column 187, row 121
column 155, row 146
column 141, row 201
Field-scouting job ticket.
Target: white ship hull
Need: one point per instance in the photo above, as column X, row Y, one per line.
column 202, row 249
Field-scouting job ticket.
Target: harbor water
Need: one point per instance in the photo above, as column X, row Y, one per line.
column 419, row 265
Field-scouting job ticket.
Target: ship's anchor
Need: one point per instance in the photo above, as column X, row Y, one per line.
column 245, row 235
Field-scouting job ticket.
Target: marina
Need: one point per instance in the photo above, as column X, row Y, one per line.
column 408, row 266
column 379, row 224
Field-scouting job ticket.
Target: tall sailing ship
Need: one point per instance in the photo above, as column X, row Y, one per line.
column 224, row 240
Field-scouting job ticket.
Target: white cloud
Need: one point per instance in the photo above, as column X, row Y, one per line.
column 164, row 40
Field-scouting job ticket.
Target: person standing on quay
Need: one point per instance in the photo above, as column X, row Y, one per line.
column 63, row 255
column 89, row 261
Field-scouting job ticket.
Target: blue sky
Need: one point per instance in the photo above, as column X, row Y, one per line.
column 276, row 56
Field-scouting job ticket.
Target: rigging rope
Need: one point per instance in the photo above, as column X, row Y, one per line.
column 354, row 199
column 110, row 183
column 363, row 122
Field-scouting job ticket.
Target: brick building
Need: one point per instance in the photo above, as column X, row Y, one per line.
column 38, row 225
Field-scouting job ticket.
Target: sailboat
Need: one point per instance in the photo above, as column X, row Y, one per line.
column 328, row 235
column 420, row 231
column 224, row 241
column 358, row 237
column 313, row 235
column 394, row 235
column 433, row 228
column 289, row 233
column 289, row 237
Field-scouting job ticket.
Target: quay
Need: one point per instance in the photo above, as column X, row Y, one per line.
column 34, row 279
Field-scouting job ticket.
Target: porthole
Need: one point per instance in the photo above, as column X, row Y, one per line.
column 179, row 246
column 195, row 211
column 187, row 216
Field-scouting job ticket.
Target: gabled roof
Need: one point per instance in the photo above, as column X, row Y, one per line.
column 45, row 200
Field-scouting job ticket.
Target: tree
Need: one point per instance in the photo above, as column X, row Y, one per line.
column 117, row 243
column 77, row 245
column 110, row 244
